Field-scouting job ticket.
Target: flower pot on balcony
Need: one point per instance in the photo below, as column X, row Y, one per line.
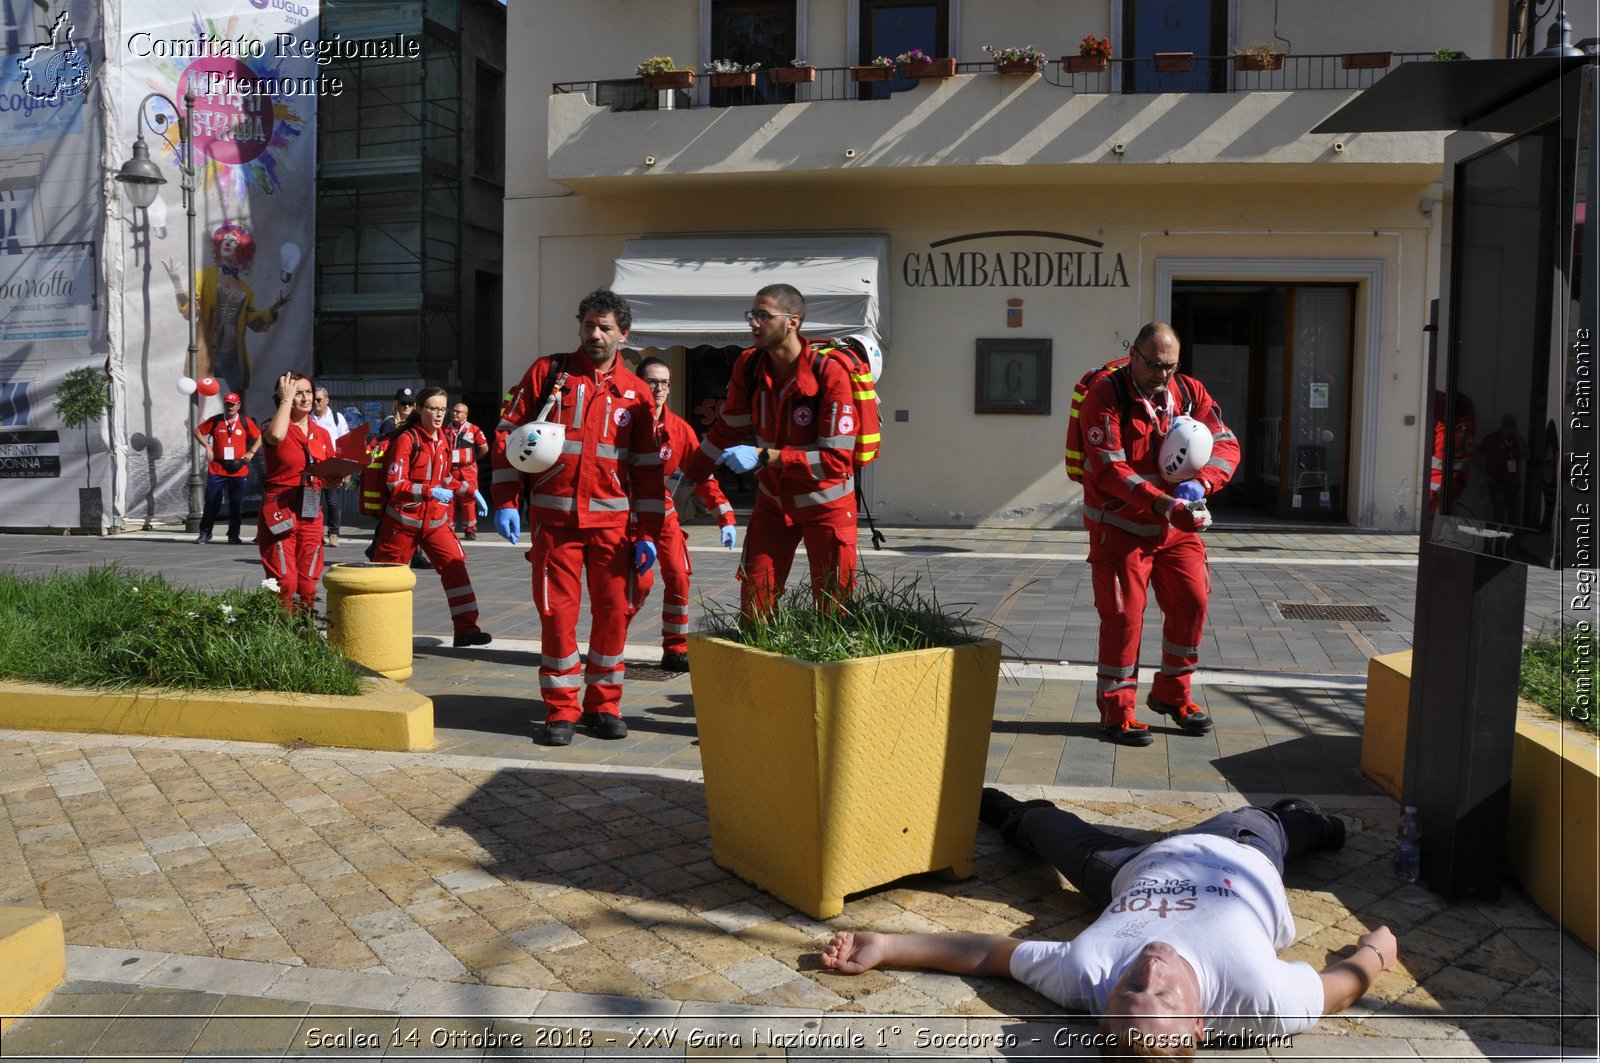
column 871, row 73
column 1365, row 60
column 792, row 75
column 669, row 80
column 930, row 68
column 1258, row 62
column 1173, row 62
column 846, row 775
column 1019, row 66
column 742, row 79
column 1084, row 64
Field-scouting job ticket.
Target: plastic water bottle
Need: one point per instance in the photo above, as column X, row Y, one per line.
column 1408, row 846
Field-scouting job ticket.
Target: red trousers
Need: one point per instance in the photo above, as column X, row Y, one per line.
column 396, row 543
column 769, row 547
column 295, row 561
column 464, row 508
column 1123, row 565
column 562, row 558
column 672, row 558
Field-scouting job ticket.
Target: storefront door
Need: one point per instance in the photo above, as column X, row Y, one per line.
column 1277, row 359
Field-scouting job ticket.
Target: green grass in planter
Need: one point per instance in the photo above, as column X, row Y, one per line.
column 1558, row 675
column 874, row 619
column 112, row 628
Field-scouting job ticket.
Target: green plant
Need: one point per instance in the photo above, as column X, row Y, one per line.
column 656, row 64
column 1262, row 50
column 1548, row 667
column 1025, row 54
column 915, row 55
column 873, row 618
column 84, row 396
column 882, row 60
column 1092, row 47
column 112, row 628
column 1446, row 55
column 727, row 66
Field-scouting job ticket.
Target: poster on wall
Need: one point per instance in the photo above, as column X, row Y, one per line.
column 53, row 339
column 243, row 80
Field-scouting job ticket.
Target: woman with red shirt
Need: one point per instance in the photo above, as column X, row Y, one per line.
column 289, row 531
column 422, row 490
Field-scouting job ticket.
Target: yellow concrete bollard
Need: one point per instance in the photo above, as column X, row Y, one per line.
column 369, row 615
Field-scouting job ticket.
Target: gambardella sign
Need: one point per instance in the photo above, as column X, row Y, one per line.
column 1084, row 263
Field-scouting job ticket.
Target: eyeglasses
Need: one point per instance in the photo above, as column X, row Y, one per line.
column 1158, row 368
column 436, row 409
column 659, row 383
column 752, row 317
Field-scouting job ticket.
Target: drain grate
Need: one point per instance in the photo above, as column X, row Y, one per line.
column 649, row 673
column 1317, row 611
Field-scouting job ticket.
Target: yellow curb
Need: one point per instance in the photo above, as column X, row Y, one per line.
column 388, row 716
column 33, row 953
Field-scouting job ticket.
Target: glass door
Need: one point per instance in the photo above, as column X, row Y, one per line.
column 894, row 27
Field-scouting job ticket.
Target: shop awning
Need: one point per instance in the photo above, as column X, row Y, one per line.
column 691, row 290
column 1483, row 95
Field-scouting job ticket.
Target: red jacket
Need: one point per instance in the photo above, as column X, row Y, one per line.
column 465, row 440
column 1122, row 469
column 417, row 463
column 286, row 462
column 678, row 440
column 610, row 466
column 813, row 422
column 240, row 436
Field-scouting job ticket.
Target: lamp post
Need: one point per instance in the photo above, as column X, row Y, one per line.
column 142, row 179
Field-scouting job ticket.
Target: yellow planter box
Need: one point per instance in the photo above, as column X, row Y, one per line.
column 33, row 953
column 827, row 779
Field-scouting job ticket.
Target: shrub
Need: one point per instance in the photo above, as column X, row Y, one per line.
column 656, row 64
column 1548, row 667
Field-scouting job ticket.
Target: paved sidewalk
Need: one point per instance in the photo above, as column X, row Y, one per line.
column 247, row 894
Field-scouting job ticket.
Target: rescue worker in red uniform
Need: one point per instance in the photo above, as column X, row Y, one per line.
column 1463, row 431
column 610, row 465
column 677, row 440
column 289, row 529
column 804, row 456
column 231, row 440
column 422, row 490
column 467, row 445
column 1139, row 533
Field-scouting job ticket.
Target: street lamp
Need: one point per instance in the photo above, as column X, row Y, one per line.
column 141, row 179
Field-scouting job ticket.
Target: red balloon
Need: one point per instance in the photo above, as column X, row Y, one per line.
column 208, row 385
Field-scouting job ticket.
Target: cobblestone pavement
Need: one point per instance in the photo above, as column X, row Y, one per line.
column 498, row 898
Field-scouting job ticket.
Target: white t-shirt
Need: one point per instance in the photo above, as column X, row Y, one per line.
column 1221, row 905
column 333, row 422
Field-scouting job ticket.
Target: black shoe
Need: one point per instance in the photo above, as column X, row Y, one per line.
column 234, row 540
column 474, row 638
column 1332, row 826
column 674, row 662
column 371, row 549
column 421, row 562
column 1189, row 716
column 202, row 538
column 1129, row 734
column 559, row 733
column 607, row 725
column 996, row 807
column 472, row 536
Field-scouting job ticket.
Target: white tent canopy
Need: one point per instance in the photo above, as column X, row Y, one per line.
column 691, row 290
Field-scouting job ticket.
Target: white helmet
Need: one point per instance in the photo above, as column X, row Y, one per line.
column 865, row 343
column 535, row 446
column 1185, row 450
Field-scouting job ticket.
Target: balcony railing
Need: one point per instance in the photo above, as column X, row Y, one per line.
column 1139, row 75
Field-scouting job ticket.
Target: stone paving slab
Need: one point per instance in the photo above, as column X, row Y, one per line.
column 587, row 900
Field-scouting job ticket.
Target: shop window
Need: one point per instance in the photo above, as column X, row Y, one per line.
column 1013, row 376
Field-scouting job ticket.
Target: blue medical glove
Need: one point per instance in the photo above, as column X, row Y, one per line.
column 508, row 524
column 644, row 555
column 730, row 535
column 741, row 459
column 443, row 495
column 1190, row 491
column 483, row 506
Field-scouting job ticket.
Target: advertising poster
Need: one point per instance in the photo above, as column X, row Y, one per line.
column 52, row 297
column 251, row 72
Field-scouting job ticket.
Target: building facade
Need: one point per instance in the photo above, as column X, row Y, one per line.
column 1002, row 233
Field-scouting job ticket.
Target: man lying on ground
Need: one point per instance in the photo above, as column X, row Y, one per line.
column 1186, row 947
